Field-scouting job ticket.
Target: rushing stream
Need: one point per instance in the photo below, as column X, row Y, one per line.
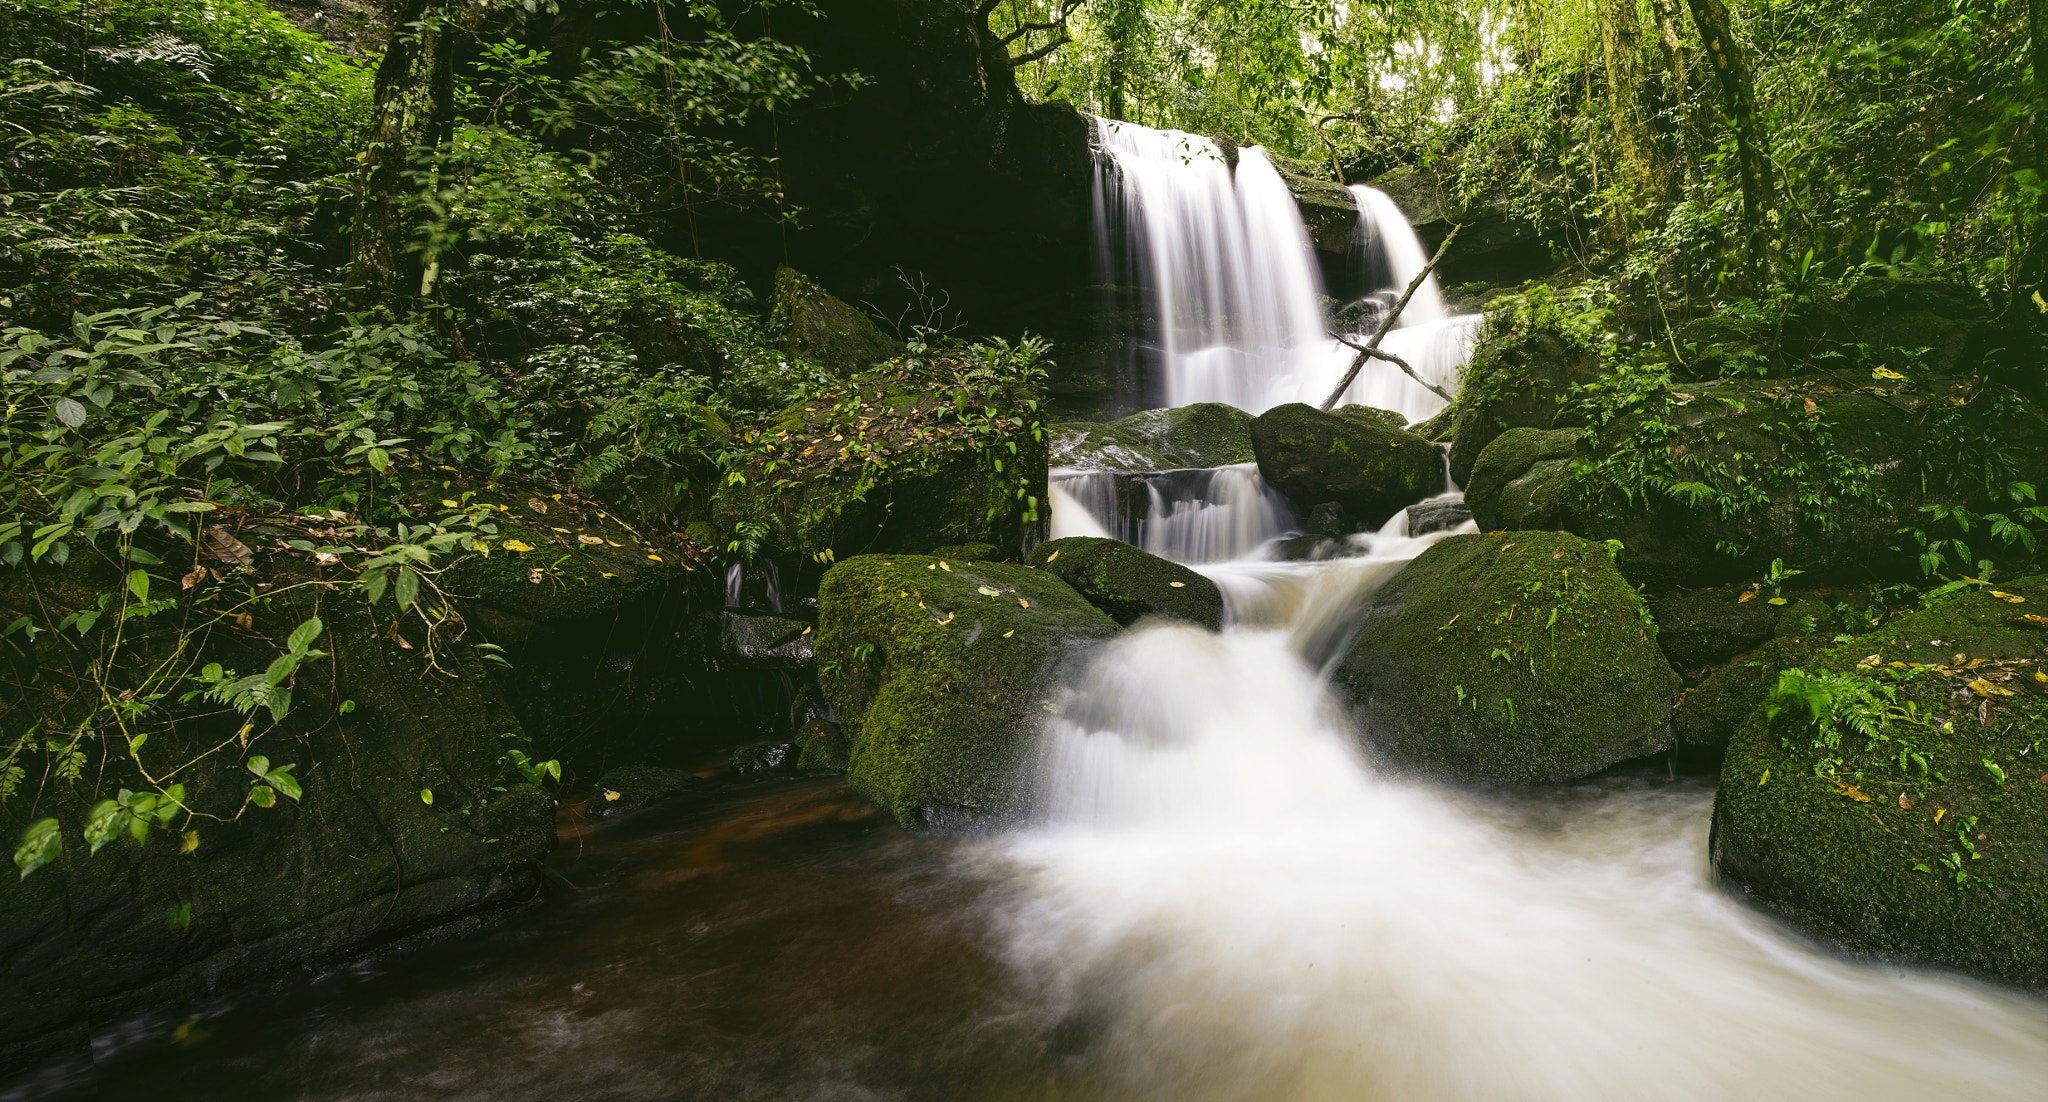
column 1217, row 898
column 1217, row 895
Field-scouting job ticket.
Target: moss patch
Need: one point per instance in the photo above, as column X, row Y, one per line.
column 1128, row 583
column 1511, row 657
column 1371, row 470
column 1868, row 853
column 940, row 677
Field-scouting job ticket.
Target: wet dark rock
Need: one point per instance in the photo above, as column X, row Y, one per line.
column 1205, row 434
column 1130, row 584
column 759, row 640
column 1708, row 715
column 1327, row 519
column 1510, row 658
column 632, row 788
column 1515, row 481
column 821, row 747
column 1314, row 549
column 1705, row 627
column 1373, row 471
column 1521, row 376
column 1425, row 517
column 1867, row 853
column 761, row 760
column 1494, row 244
column 940, row 677
column 821, row 328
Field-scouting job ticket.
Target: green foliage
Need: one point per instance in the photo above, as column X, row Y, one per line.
column 1851, row 703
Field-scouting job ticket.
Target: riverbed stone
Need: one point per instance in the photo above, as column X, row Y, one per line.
column 1130, row 584
column 1437, row 515
column 1944, row 865
column 631, row 788
column 1508, row 658
column 1310, row 457
column 940, row 678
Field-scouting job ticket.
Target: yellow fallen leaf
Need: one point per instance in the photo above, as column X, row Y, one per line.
column 1763, row 780
column 190, row 843
column 1939, row 812
column 2040, row 675
column 986, row 591
column 1009, row 633
column 610, row 795
column 450, row 504
column 943, row 566
column 2009, row 598
column 1746, row 598
column 1872, row 660
column 591, row 541
column 1022, row 603
column 1052, row 556
column 516, row 545
column 1850, row 791
column 1777, row 600
column 1178, row 585
column 532, row 575
column 1885, row 373
column 931, row 566
column 653, row 557
column 1985, row 688
column 1810, row 407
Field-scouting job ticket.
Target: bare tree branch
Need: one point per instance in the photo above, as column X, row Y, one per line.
column 1383, row 354
column 1026, row 59
column 1371, row 348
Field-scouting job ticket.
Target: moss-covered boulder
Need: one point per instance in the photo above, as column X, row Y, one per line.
column 1710, row 482
column 1930, row 845
column 1205, row 434
column 1373, row 471
column 1705, row 627
column 412, row 814
column 1708, row 715
column 1513, row 483
column 1513, row 657
column 825, row 330
column 947, row 447
column 939, row 677
column 1130, row 584
column 1523, row 368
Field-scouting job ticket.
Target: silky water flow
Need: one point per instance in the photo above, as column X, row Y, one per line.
column 1239, row 905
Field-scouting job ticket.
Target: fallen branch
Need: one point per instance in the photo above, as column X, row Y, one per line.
column 1382, row 354
column 1371, row 348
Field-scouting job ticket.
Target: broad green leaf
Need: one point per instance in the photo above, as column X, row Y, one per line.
column 138, row 584
column 40, row 845
column 285, row 782
column 304, row 634
column 427, row 796
column 108, row 819
column 259, row 765
column 281, row 669
column 408, row 588
column 262, row 796
column 69, row 412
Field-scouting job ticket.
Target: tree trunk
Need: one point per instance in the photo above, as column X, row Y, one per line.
column 1666, row 13
column 414, row 111
column 1738, row 102
column 1643, row 163
column 2033, row 291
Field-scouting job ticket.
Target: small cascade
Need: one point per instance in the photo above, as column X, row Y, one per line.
column 1198, row 515
column 1225, row 260
column 1231, row 288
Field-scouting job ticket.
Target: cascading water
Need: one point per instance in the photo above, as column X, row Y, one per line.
column 1231, row 282
column 1199, row 515
column 1228, row 901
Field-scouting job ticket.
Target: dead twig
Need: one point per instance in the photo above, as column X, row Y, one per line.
column 1371, row 349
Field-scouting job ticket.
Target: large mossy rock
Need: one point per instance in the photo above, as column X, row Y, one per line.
column 359, row 861
column 1130, row 584
column 1867, row 852
column 1205, row 434
column 1711, row 482
column 825, row 330
column 1521, row 375
column 1373, row 471
column 1509, row 658
column 940, row 677
column 1710, row 714
column 891, row 464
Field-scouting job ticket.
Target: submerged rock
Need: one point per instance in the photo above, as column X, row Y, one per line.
column 1443, row 515
column 940, row 677
column 1930, row 846
column 1205, row 434
column 1513, row 657
column 631, row 788
column 1373, row 471
column 1128, row 583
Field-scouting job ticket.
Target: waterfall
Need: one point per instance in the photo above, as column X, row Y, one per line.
column 1232, row 290
column 1198, row 515
column 1221, row 899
